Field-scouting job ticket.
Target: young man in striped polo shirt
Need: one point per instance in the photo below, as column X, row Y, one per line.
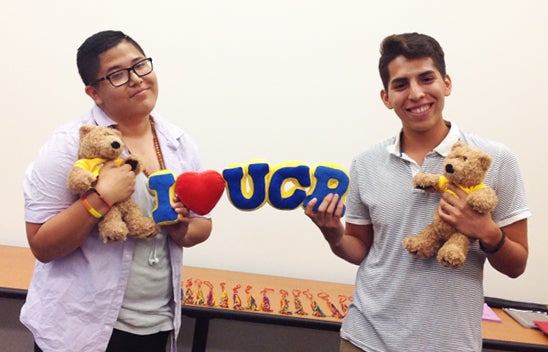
column 401, row 303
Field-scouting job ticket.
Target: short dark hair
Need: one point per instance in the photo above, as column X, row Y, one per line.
column 411, row 46
column 87, row 57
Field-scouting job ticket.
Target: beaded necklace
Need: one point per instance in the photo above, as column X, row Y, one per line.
column 157, row 149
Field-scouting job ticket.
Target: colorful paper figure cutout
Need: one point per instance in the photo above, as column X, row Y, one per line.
column 189, row 294
column 299, row 308
column 342, row 302
column 284, row 303
column 210, row 302
column 223, row 303
column 200, row 300
column 236, row 300
column 265, row 303
column 334, row 311
column 251, row 302
column 316, row 310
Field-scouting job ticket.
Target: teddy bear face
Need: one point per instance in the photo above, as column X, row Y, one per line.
column 465, row 165
column 100, row 142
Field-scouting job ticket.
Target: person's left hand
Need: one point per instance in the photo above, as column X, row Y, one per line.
column 180, row 228
column 458, row 213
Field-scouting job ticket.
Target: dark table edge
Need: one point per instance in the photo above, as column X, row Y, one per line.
column 220, row 313
column 275, row 319
column 6, row 292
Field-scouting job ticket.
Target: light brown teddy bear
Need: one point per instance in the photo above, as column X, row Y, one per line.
column 99, row 144
column 464, row 167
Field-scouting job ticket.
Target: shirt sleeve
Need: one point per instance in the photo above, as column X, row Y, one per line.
column 45, row 181
column 507, row 181
column 356, row 212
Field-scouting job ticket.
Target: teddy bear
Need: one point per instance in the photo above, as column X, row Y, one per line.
column 464, row 167
column 99, row 144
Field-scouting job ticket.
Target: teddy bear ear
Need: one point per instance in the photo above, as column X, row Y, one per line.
column 85, row 129
column 458, row 144
column 485, row 161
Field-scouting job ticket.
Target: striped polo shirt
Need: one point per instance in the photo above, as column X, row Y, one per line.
column 401, row 303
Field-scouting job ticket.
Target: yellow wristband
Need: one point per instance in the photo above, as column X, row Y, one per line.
column 90, row 208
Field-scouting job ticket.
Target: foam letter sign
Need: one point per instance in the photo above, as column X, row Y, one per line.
column 328, row 178
column 249, row 187
column 246, row 185
column 161, row 185
column 200, row 191
column 288, row 184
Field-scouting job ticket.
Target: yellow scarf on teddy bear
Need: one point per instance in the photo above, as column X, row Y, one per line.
column 443, row 182
column 94, row 165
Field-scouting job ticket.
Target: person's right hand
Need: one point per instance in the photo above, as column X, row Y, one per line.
column 115, row 183
column 329, row 213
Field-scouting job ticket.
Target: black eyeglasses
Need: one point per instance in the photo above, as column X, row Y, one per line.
column 121, row 77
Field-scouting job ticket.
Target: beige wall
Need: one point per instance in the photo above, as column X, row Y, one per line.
column 284, row 80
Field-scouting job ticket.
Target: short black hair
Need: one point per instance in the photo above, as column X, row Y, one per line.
column 411, row 46
column 87, row 57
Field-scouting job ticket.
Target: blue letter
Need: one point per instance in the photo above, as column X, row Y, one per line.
column 328, row 179
column 246, row 185
column 281, row 196
column 162, row 185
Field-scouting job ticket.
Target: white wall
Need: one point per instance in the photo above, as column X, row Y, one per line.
column 283, row 80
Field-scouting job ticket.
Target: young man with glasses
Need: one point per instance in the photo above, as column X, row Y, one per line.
column 122, row 296
column 401, row 303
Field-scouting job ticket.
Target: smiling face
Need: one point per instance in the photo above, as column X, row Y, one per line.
column 416, row 91
column 135, row 99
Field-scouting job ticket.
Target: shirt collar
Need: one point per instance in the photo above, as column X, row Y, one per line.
column 443, row 148
column 452, row 137
column 100, row 118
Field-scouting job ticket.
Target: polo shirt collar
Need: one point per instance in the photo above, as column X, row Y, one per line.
column 442, row 149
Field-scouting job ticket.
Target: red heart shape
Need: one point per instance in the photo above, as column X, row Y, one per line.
column 200, row 191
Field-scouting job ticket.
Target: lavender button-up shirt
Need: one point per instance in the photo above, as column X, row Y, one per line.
column 73, row 302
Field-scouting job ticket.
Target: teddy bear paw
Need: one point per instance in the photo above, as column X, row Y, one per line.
column 144, row 228
column 113, row 234
column 113, row 238
column 418, row 248
column 451, row 258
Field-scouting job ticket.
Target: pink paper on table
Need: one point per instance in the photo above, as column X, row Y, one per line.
column 489, row 314
column 542, row 325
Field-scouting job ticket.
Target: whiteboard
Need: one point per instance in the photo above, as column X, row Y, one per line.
column 280, row 81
